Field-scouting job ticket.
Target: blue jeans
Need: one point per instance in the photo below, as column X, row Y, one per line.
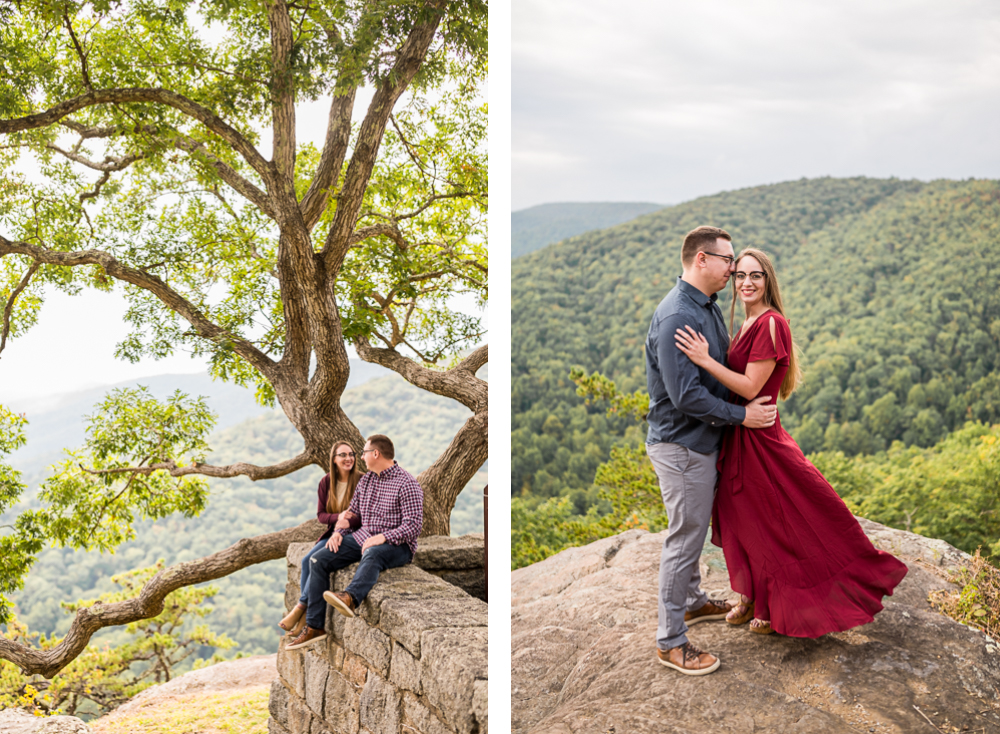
column 324, row 562
column 304, row 582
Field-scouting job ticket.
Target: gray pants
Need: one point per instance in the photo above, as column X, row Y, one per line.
column 687, row 483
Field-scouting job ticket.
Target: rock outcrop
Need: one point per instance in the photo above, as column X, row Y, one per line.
column 583, row 626
column 414, row 659
column 16, row 721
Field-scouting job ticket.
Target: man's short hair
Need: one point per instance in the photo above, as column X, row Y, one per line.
column 383, row 445
column 701, row 239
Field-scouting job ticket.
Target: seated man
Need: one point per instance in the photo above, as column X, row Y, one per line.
column 390, row 503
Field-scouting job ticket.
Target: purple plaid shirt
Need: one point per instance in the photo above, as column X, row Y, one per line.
column 391, row 503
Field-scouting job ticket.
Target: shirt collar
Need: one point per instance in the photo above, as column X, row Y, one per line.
column 388, row 471
column 694, row 294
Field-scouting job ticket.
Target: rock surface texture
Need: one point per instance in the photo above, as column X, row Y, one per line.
column 413, row 659
column 16, row 721
column 583, row 625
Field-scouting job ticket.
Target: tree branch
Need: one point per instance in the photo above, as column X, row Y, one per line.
column 241, row 185
column 173, row 300
column 149, row 603
column 252, row 471
column 9, row 308
column 142, row 94
column 359, row 171
column 452, row 470
column 79, row 52
column 338, row 137
column 458, row 383
column 109, row 164
column 282, row 93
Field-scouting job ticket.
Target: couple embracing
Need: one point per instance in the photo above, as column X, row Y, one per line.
column 796, row 555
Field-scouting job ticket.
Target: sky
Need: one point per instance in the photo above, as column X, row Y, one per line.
column 666, row 102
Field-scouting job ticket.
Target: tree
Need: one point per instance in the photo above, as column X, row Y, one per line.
column 141, row 125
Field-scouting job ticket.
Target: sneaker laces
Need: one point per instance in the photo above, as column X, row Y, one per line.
column 691, row 652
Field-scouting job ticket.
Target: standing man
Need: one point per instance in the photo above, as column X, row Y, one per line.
column 687, row 414
column 390, row 503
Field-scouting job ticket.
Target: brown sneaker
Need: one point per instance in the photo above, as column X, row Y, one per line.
column 708, row 612
column 309, row 636
column 688, row 659
column 341, row 601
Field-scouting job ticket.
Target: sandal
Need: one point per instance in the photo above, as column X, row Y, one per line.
column 761, row 627
column 736, row 616
column 292, row 621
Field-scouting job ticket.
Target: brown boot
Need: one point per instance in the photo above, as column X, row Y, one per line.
column 341, row 601
column 708, row 612
column 688, row 659
column 309, row 636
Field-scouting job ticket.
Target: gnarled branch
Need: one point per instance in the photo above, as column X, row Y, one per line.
column 458, row 383
column 252, row 471
column 149, row 603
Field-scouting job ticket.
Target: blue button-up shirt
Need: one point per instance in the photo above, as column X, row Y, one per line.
column 687, row 405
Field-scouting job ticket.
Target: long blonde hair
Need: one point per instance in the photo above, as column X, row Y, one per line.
column 772, row 299
column 353, row 477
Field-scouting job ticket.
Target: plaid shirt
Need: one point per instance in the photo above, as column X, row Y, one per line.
column 391, row 503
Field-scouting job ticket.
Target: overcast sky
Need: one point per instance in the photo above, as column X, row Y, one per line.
column 665, row 102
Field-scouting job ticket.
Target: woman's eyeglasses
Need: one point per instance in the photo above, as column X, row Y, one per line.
column 756, row 276
column 343, row 455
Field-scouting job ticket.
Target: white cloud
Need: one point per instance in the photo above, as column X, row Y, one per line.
column 665, row 102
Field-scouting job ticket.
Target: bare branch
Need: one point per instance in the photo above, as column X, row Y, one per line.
column 457, row 383
column 149, row 603
column 153, row 95
column 252, row 471
column 151, row 283
column 110, row 163
column 96, row 191
column 9, row 308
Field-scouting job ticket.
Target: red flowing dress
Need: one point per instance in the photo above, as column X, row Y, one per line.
column 790, row 542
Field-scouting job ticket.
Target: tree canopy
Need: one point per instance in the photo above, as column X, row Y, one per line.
column 152, row 148
column 889, row 286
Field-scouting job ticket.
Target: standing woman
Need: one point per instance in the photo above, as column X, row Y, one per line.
column 798, row 557
column 332, row 504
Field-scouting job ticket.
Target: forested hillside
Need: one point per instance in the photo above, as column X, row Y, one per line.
column 534, row 228
column 250, row 602
column 891, row 288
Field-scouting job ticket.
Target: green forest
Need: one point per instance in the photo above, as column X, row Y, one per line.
column 890, row 288
column 250, row 602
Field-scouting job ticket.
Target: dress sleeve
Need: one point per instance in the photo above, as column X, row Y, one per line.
column 763, row 347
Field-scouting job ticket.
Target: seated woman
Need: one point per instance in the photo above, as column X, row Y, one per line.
column 332, row 507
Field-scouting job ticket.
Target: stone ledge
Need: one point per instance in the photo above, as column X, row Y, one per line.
column 414, row 659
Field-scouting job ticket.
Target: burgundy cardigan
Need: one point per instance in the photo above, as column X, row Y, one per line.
column 330, row 518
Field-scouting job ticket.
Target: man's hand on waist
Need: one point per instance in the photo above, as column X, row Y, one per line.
column 760, row 415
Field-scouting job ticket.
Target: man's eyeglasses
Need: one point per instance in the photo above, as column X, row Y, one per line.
column 343, row 455
column 755, row 276
column 368, row 451
column 728, row 258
